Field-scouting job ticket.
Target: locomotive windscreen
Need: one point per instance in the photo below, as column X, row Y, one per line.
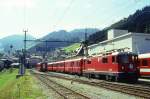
column 127, row 58
column 123, row 58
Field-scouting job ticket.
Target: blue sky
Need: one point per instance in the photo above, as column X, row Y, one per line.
column 44, row 16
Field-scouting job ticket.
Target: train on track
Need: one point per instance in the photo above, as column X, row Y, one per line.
column 32, row 61
column 115, row 66
column 144, row 64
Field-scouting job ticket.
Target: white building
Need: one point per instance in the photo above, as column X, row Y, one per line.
column 120, row 39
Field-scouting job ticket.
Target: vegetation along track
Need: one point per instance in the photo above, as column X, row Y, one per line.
column 136, row 90
column 64, row 92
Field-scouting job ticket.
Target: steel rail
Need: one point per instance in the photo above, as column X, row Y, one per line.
column 63, row 91
column 135, row 90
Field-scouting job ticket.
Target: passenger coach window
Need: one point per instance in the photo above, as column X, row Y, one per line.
column 78, row 64
column 105, row 60
column 88, row 62
column 72, row 63
column 144, row 63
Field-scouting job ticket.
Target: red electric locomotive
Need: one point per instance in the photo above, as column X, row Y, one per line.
column 144, row 62
column 117, row 66
column 114, row 66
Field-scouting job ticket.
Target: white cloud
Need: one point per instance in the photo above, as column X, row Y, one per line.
column 17, row 3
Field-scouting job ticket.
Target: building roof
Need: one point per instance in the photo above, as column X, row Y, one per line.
column 119, row 37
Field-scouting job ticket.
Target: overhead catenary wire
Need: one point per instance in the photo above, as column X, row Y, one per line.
column 25, row 15
column 107, row 19
column 64, row 13
column 115, row 14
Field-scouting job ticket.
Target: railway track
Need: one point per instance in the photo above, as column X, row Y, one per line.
column 143, row 83
column 64, row 92
column 128, row 89
column 136, row 90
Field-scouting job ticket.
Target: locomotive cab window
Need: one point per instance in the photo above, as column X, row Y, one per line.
column 144, row 63
column 105, row 60
column 123, row 58
column 114, row 59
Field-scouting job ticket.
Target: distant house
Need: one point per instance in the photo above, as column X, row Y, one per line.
column 122, row 39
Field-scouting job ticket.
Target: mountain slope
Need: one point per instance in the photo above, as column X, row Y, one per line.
column 65, row 35
column 138, row 22
column 15, row 40
column 76, row 35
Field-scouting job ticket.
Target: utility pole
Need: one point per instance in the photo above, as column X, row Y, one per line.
column 11, row 50
column 25, row 52
column 25, row 38
column 85, row 44
column 85, row 36
column 46, row 50
column 46, row 54
column 23, row 57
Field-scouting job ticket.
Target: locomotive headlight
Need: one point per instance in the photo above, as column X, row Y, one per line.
column 122, row 68
column 131, row 66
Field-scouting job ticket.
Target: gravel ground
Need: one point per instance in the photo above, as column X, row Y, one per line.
column 94, row 92
column 90, row 91
column 49, row 93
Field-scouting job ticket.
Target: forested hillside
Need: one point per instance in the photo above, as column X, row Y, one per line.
column 138, row 22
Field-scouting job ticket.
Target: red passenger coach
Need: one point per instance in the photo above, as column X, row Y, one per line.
column 56, row 66
column 50, row 66
column 74, row 66
column 117, row 66
column 144, row 62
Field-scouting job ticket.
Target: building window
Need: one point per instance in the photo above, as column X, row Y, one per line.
column 105, row 60
column 144, row 63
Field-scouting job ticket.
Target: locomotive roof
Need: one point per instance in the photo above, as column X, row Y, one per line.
column 146, row 55
column 114, row 53
column 127, row 53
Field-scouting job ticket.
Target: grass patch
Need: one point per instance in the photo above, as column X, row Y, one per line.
column 24, row 87
column 7, row 77
column 72, row 47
